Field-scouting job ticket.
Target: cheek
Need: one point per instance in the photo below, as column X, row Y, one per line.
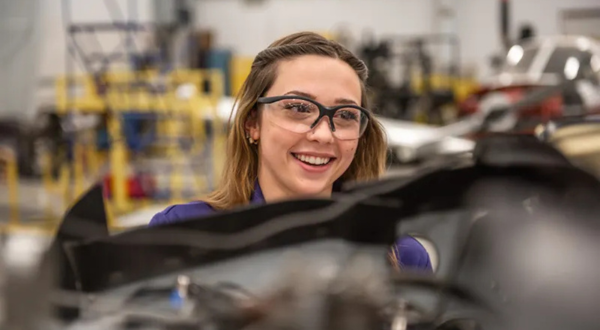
column 348, row 149
column 275, row 140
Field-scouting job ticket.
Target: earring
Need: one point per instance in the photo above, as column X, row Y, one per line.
column 251, row 140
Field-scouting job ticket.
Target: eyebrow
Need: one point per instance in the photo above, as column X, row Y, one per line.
column 312, row 97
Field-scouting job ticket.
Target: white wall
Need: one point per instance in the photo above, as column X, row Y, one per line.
column 19, row 49
column 53, row 48
column 479, row 25
column 247, row 29
column 544, row 14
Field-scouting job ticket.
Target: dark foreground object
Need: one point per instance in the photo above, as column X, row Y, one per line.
column 473, row 214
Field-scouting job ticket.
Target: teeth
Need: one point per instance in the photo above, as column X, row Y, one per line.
column 313, row 160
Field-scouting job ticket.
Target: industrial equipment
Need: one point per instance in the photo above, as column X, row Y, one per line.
column 578, row 137
column 406, row 80
column 9, row 178
column 538, row 63
column 567, row 92
column 515, row 230
column 133, row 119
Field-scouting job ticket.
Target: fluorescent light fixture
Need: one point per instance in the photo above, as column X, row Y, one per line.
column 515, row 54
column 571, row 68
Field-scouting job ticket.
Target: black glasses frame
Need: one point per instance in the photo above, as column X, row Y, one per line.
column 323, row 110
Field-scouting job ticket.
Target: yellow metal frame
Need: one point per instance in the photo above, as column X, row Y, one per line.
column 8, row 158
column 462, row 87
column 183, row 116
column 46, row 227
column 240, row 68
column 86, row 96
column 122, row 97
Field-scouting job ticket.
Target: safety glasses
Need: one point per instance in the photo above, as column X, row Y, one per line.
column 301, row 114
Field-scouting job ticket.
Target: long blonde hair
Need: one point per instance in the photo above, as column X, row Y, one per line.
column 241, row 164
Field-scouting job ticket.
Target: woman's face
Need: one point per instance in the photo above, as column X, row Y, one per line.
column 285, row 157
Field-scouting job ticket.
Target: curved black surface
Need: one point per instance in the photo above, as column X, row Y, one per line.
column 85, row 220
column 366, row 215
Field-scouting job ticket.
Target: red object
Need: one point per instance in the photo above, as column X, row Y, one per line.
column 530, row 117
column 139, row 186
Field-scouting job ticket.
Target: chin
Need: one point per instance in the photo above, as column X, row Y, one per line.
column 311, row 189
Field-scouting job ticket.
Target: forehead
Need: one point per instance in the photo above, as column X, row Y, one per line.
column 326, row 78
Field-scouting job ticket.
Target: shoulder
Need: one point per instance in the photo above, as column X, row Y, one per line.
column 409, row 253
column 181, row 212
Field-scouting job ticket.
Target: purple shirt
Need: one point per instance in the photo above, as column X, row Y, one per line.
column 407, row 253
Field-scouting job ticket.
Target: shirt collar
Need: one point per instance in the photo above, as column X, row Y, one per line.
column 257, row 195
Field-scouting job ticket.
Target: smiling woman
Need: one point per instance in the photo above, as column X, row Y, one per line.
column 303, row 127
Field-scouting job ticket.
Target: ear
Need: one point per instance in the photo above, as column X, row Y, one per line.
column 252, row 125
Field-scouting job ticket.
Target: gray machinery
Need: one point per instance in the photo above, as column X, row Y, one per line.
column 515, row 230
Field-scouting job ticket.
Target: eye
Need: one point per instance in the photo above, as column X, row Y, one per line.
column 299, row 107
column 348, row 114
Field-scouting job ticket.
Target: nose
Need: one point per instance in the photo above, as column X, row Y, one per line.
column 322, row 132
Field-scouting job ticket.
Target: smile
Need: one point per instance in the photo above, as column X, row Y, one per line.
column 312, row 160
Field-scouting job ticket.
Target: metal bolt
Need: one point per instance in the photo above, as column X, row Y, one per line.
column 183, row 284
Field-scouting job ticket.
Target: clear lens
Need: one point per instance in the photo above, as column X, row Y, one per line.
column 299, row 115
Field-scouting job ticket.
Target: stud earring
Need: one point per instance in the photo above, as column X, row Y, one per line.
column 251, row 140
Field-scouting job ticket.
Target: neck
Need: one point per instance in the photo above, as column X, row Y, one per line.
column 274, row 191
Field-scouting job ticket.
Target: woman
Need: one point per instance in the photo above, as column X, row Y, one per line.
column 302, row 128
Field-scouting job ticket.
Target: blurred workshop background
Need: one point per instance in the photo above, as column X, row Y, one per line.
column 136, row 94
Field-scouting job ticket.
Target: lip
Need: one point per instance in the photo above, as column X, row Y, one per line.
column 311, row 168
